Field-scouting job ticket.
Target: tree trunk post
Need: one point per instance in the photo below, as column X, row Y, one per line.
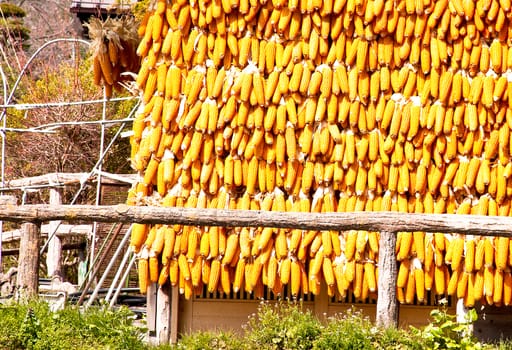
column 54, row 254
column 387, row 304
column 28, row 261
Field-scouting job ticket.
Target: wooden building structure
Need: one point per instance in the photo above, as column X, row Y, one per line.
column 70, row 236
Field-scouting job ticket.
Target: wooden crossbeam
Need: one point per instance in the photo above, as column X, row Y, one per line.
column 62, row 231
column 369, row 221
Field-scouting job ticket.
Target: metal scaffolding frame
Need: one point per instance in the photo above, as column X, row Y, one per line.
column 51, row 128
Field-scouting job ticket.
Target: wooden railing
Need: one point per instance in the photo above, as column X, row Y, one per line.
column 387, row 223
column 371, row 221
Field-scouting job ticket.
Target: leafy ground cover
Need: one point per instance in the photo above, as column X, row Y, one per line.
column 283, row 326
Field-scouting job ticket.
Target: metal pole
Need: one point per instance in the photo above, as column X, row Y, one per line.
column 2, row 134
column 98, row 183
column 123, row 280
column 118, row 274
column 100, row 261
column 108, row 268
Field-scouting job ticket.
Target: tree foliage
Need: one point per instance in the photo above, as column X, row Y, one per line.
column 61, row 73
column 13, row 31
column 71, row 147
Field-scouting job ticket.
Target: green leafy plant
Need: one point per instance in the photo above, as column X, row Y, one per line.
column 35, row 326
column 354, row 331
column 207, row 340
column 445, row 332
column 30, row 330
column 350, row 330
column 284, row 325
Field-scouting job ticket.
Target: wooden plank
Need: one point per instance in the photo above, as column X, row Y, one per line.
column 370, row 221
column 151, row 302
column 28, row 263
column 173, row 333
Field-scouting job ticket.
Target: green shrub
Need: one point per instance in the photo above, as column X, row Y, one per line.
column 35, row 326
column 345, row 331
column 446, row 333
column 354, row 331
column 398, row 339
column 284, row 325
column 210, row 341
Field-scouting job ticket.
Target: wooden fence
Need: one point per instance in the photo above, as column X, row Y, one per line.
column 387, row 223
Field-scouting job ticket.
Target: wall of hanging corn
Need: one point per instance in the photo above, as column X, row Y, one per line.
column 319, row 106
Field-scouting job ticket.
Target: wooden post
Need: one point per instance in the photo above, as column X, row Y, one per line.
column 322, row 303
column 4, row 200
column 163, row 314
column 151, row 313
column 28, row 261
column 387, row 304
column 175, row 297
column 54, row 254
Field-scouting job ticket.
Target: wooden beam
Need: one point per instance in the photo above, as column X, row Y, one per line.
column 28, row 262
column 63, row 231
column 61, row 179
column 370, row 221
column 66, row 246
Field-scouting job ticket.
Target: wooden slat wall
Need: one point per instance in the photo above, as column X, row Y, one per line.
column 222, row 312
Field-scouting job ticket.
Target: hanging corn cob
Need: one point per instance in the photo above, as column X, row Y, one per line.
column 113, row 51
column 321, row 107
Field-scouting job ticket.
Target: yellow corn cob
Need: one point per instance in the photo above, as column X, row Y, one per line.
column 507, row 288
column 497, row 294
column 231, row 248
column 328, row 271
column 173, row 272
column 403, row 273
column 469, row 255
column 419, row 279
column 410, row 289
column 164, row 275
column 168, row 249
column 285, row 271
column 138, row 236
column 196, row 268
column 501, row 255
column 488, row 281
column 370, row 276
column 439, row 279
column 406, row 242
column 214, row 275
column 296, row 277
column 143, row 272
column 462, row 285
column 358, row 280
column 239, row 275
